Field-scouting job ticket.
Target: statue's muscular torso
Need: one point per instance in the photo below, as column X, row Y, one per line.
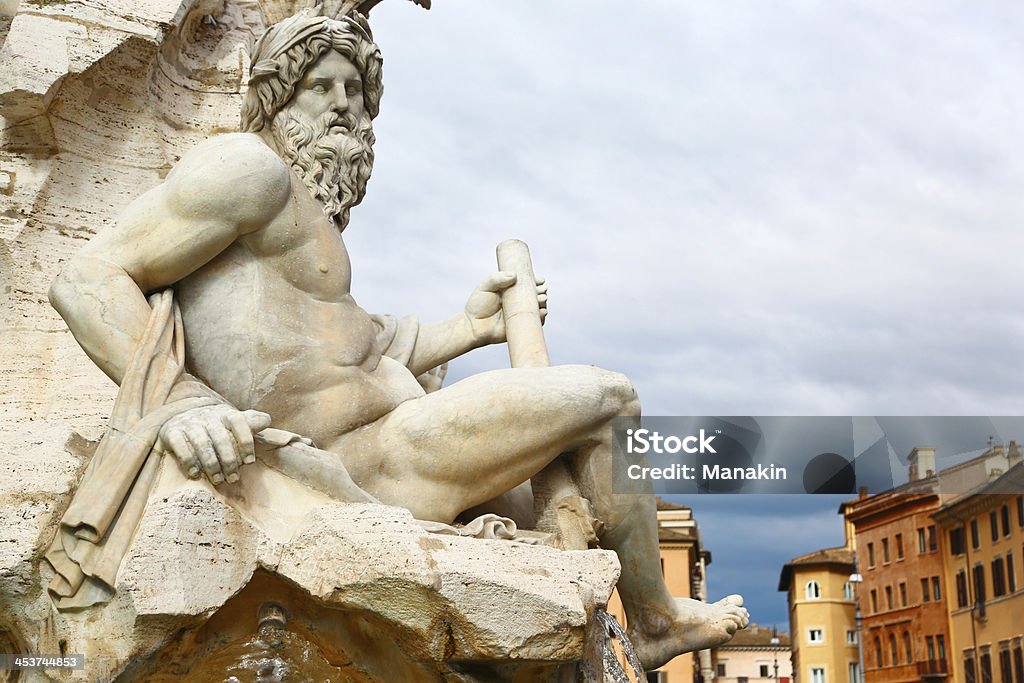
column 270, row 323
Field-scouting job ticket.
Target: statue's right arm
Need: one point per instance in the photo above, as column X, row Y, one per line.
column 227, row 187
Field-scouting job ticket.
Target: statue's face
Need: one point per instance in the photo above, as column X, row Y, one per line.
column 332, row 85
column 325, row 135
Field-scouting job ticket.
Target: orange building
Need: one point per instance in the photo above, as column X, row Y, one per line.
column 683, row 562
column 901, row 551
column 985, row 565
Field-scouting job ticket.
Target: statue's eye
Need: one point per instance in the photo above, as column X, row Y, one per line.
column 319, row 88
column 351, row 90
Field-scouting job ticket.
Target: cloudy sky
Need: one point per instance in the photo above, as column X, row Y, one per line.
column 807, row 208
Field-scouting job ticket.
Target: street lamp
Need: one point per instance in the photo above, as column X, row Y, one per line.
column 775, row 651
column 856, row 579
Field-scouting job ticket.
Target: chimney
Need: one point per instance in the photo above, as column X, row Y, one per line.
column 995, row 463
column 1013, row 456
column 862, row 493
column 922, row 462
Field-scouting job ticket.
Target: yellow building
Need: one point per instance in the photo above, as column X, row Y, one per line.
column 822, row 615
column 683, row 563
column 984, row 566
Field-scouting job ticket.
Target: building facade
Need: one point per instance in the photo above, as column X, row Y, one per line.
column 984, row 563
column 757, row 654
column 904, row 555
column 903, row 593
column 822, row 616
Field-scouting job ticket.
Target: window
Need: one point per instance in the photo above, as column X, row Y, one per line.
column 929, row 643
column 903, row 593
column 1018, row 658
column 1020, row 518
column 979, row 589
column 888, row 597
column 961, row 590
column 657, row 677
column 764, row 671
column 907, row 648
column 936, row 592
column 899, row 546
column 1005, row 518
column 871, row 554
column 956, row 541
column 894, row 653
column 720, row 669
column 817, row 675
column 986, row 667
column 941, row 642
column 925, row 590
column 1005, row 670
column 878, row 652
column 815, row 635
column 998, row 578
column 921, row 545
column 1011, row 578
column 975, row 541
column 993, row 522
column 848, row 594
column 854, row 671
column 969, row 672
column 851, row 637
column 885, row 551
column 933, row 542
column 813, row 590
column 874, row 600
column 742, row 679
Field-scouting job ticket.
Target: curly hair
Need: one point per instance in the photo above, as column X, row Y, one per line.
column 273, row 77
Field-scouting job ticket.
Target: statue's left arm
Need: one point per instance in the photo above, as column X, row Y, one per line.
column 479, row 324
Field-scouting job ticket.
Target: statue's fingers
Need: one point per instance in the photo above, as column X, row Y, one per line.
column 256, row 420
column 240, row 430
column 225, row 448
column 498, row 282
column 204, row 450
column 174, row 441
column 732, row 600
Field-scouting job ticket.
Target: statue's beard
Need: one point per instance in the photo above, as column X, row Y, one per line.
column 334, row 169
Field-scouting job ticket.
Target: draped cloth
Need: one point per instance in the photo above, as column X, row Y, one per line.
column 97, row 529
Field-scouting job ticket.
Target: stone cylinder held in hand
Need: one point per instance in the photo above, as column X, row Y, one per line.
column 526, row 346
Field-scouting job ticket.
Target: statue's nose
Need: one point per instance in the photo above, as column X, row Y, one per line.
column 340, row 100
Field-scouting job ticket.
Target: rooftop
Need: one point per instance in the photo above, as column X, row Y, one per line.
column 841, row 557
column 756, row 636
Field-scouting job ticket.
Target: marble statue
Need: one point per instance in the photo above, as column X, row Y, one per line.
column 222, row 296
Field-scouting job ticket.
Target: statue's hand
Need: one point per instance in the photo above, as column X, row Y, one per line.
column 483, row 310
column 213, row 439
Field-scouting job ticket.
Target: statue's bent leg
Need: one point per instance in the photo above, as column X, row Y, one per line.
column 445, row 452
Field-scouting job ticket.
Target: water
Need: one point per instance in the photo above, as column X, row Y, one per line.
column 613, row 670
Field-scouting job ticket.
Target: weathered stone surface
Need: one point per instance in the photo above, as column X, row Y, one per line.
column 442, row 598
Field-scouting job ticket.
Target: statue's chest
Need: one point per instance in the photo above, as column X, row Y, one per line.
column 303, row 247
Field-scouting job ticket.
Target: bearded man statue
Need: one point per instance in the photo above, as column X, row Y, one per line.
column 246, row 233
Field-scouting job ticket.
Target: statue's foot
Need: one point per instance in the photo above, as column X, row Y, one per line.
column 695, row 626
